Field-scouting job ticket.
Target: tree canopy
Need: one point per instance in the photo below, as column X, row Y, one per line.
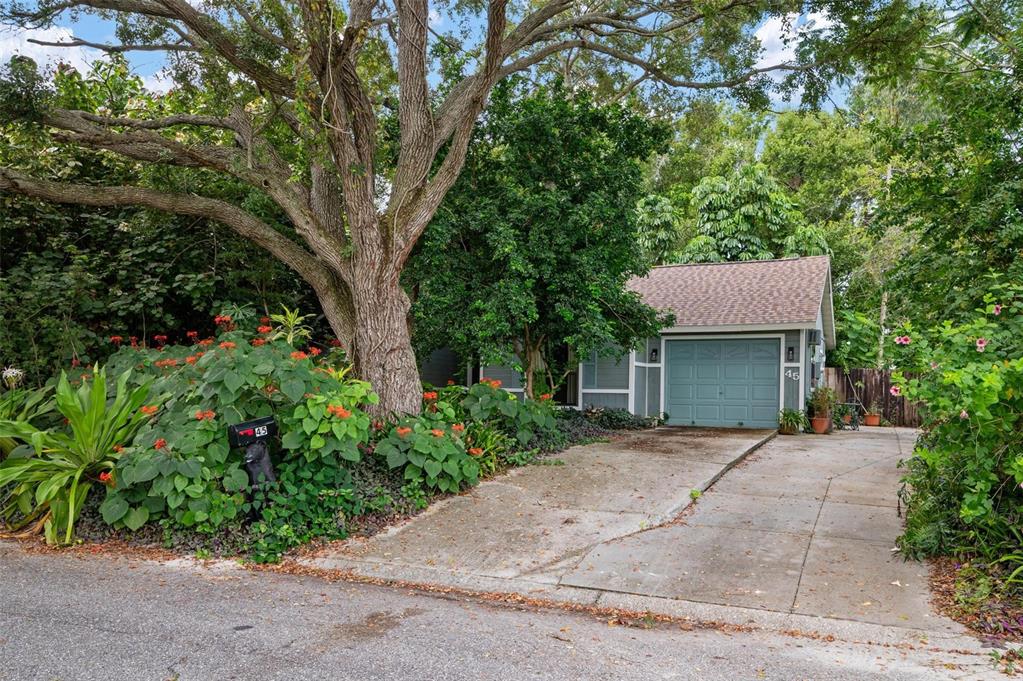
column 529, row 254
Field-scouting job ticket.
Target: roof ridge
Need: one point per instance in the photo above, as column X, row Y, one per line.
column 739, row 262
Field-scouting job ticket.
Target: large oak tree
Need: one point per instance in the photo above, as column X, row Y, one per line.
column 354, row 117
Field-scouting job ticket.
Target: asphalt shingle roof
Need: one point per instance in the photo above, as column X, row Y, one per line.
column 767, row 292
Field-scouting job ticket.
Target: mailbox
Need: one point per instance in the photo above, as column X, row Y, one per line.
column 250, row 432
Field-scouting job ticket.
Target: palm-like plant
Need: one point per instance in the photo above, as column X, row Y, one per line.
column 49, row 486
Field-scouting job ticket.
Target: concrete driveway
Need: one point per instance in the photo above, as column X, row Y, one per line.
column 535, row 523
column 807, row 525
column 801, row 532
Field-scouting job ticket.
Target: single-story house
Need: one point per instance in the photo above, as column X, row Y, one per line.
column 749, row 338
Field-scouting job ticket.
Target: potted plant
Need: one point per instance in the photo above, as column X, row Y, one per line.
column 843, row 414
column 821, row 401
column 873, row 415
column 792, row 422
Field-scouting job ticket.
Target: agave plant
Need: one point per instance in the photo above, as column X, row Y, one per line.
column 48, row 486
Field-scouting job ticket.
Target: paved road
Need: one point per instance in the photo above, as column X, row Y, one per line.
column 73, row 617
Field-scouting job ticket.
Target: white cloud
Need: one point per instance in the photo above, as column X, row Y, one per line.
column 15, row 42
column 435, row 19
column 779, row 36
column 157, row 82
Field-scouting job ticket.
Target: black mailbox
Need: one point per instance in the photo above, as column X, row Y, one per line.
column 249, row 432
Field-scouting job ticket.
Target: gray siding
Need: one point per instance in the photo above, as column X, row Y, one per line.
column 653, row 392
column 441, row 366
column 509, row 377
column 611, row 372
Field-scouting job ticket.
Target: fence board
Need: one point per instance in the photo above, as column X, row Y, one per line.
column 869, row 385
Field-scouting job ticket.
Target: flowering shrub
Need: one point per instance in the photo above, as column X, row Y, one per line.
column 430, row 453
column 965, row 480
column 181, row 467
column 521, row 418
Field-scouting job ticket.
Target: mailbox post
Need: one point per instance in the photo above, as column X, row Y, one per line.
column 253, row 436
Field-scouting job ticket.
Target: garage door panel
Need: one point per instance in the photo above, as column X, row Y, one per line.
column 707, row 412
column 707, row 391
column 737, row 371
column 736, row 392
column 708, row 372
column 736, row 413
column 722, row 382
column 705, row 351
column 763, row 352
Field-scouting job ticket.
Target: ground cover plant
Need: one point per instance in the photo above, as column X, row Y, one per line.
column 158, row 451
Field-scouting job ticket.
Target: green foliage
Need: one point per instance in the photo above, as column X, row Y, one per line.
column 822, row 399
column 73, row 276
column 964, row 480
column 21, row 404
column 746, row 216
column 531, row 249
column 792, row 421
column 182, row 468
column 430, row 453
column 618, row 419
column 520, row 418
column 311, row 500
column 56, row 476
column 856, row 346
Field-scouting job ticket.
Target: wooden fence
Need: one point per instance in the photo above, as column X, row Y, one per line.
column 867, row 386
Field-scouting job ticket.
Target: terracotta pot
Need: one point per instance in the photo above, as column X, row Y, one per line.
column 872, row 420
column 820, row 424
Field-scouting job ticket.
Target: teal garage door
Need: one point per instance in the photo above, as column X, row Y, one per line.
column 723, row 382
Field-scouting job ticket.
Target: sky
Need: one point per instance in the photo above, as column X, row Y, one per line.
column 14, row 41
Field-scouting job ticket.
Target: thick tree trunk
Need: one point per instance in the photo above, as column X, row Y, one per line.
column 382, row 350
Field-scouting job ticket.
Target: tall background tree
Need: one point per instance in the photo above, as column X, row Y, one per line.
column 354, row 122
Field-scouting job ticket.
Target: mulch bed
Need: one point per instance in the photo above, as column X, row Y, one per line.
column 998, row 622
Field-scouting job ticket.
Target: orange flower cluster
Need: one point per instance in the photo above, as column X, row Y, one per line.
column 118, row 449
column 164, row 363
column 403, row 431
column 206, row 342
column 222, row 319
column 207, row 415
column 160, row 443
column 106, row 478
column 228, row 345
column 429, row 396
column 437, row 432
column 315, row 352
column 458, row 427
column 546, row 396
column 338, row 411
column 298, row 355
column 149, row 410
column 256, row 342
column 116, row 340
column 492, row 382
column 264, row 329
column 475, row 451
column 192, row 335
